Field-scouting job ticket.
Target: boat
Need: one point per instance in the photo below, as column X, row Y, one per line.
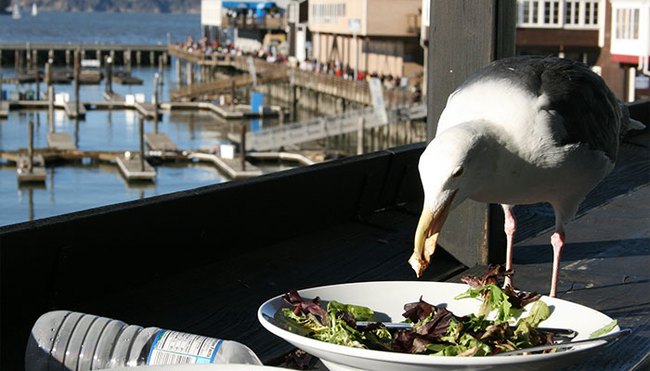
column 34, row 10
column 15, row 12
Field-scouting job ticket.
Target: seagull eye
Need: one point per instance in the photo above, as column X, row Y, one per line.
column 457, row 172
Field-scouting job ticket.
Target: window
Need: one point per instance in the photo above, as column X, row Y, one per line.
column 327, row 13
column 581, row 13
column 558, row 13
column 627, row 24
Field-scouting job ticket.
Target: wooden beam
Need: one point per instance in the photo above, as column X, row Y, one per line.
column 466, row 35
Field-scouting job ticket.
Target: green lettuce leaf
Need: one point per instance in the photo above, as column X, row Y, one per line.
column 604, row 330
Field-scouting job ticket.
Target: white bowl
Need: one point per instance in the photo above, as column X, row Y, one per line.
column 389, row 298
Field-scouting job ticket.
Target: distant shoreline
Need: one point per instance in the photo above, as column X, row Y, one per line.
column 193, row 11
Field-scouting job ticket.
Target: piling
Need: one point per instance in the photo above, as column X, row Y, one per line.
column 189, row 73
column 127, row 60
column 17, row 60
column 28, row 56
column 360, row 135
column 76, row 82
column 37, row 82
column 242, row 145
column 161, row 64
column 178, row 70
column 109, row 75
column 35, row 58
column 155, row 102
column 138, row 58
column 30, row 147
column 67, row 58
column 50, row 95
column 141, row 131
column 152, row 58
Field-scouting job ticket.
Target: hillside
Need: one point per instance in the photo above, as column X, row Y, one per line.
column 147, row 6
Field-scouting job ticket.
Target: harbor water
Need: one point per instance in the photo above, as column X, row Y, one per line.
column 82, row 185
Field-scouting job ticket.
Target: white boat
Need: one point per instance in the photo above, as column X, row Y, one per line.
column 15, row 12
column 34, row 10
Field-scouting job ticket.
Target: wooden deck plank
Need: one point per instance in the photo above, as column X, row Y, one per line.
column 61, row 141
column 159, row 142
column 605, row 267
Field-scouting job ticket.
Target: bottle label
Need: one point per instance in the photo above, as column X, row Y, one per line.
column 171, row 347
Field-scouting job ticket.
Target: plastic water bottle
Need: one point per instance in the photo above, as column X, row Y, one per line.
column 63, row 340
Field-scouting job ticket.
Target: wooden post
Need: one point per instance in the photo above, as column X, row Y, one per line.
column 189, row 73
column 67, row 58
column 109, row 75
column 76, row 82
column 50, row 96
column 37, row 83
column 138, row 58
column 17, row 60
column 160, row 70
column 360, row 135
column 30, row 146
column 155, row 102
column 127, row 60
column 35, row 58
column 243, row 145
column 141, row 132
column 467, row 35
column 28, row 57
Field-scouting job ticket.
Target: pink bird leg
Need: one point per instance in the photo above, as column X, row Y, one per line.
column 557, row 240
column 509, row 227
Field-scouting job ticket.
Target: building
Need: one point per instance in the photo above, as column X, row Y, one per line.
column 298, row 34
column 565, row 28
column 367, row 36
column 248, row 24
column 628, row 27
column 609, row 35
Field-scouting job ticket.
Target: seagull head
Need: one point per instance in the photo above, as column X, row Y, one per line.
column 452, row 168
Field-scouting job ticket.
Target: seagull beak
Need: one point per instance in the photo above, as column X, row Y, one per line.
column 427, row 233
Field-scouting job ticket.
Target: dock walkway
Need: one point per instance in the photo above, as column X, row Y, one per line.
column 234, row 168
column 134, row 169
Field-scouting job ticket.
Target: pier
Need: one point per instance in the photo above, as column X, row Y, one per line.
column 348, row 90
column 26, row 55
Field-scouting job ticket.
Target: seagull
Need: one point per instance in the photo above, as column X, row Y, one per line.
column 518, row 131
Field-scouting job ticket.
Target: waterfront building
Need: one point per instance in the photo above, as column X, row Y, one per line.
column 628, row 26
column 609, row 35
column 249, row 25
column 298, row 34
column 360, row 37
